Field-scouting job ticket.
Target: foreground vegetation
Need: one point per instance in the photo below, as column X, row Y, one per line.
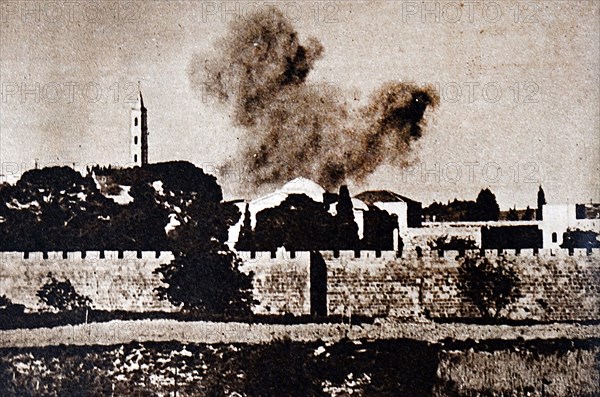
column 284, row 368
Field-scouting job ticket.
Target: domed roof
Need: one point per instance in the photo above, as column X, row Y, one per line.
column 304, row 186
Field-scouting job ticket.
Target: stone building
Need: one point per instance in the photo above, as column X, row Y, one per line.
column 406, row 211
column 558, row 218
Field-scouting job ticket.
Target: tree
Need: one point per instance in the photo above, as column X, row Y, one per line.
column 379, row 227
column 513, row 215
column 346, row 233
column 207, row 282
column 245, row 240
column 204, row 277
column 486, row 207
column 140, row 225
column 541, row 201
column 52, row 209
column 455, row 211
column 298, row 223
column 528, row 215
column 61, row 295
column 490, row 284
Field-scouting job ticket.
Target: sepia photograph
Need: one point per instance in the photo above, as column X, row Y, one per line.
column 333, row 198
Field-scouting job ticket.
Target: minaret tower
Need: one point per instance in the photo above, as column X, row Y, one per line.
column 139, row 133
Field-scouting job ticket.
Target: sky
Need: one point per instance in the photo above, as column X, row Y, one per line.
column 519, row 86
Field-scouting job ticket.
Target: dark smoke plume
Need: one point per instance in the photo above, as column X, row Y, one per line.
column 295, row 128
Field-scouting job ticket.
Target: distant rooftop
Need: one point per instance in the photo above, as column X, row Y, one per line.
column 384, row 196
column 588, row 211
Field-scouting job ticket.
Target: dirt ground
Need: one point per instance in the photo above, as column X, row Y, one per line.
column 115, row 332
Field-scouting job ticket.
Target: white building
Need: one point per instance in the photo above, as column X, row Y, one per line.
column 272, row 200
column 386, row 201
column 558, row 218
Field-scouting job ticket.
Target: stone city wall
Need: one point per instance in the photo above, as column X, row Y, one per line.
column 556, row 284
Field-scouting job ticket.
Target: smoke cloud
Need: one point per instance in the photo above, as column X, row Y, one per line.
column 295, row 128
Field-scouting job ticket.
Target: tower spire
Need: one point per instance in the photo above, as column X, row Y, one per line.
column 141, row 98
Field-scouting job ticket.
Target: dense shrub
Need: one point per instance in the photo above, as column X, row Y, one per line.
column 454, row 243
column 490, row 284
column 61, row 295
column 580, row 239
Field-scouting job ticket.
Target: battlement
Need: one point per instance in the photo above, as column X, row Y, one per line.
column 113, row 280
column 282, row 254
column 85, row 255
column 387, row 255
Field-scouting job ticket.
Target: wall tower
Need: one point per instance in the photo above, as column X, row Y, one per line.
column 139, row 133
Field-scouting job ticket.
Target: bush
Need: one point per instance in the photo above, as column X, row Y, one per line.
column 5, row 303
column 61, row 295
column 9, row 309
column 490, row 285
column 454, row 243
column 207, row 283
column 580, row 239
